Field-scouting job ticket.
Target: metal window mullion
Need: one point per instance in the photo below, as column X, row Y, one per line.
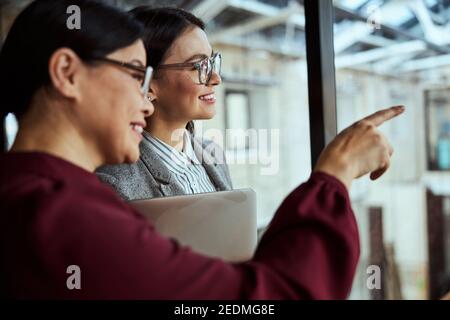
column 319, row 18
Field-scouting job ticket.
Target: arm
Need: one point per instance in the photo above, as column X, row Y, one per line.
column 309, row 251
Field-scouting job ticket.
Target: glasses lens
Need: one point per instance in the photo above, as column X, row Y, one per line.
column 203, row 71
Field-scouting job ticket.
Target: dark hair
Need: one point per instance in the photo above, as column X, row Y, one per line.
column 41, row 29
column 162, row 26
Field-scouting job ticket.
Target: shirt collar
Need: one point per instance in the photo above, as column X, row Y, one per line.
column 172, row 155
column 188, row 150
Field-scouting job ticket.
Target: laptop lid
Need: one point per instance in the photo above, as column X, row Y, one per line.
column 219, row 224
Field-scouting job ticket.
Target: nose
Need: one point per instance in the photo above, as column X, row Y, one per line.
column 215, row 79
column 147, row 107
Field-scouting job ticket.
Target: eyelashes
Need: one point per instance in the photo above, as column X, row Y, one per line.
column 138, row 77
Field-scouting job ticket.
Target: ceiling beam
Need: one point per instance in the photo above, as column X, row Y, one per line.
column 377, row 41
column 276, row 17
column 433, row 33
column 259, row 8
column 379, row 53
column 392, row 64
column 209, row 9
column 350, row 34
column 263, row 45
column 349, row 14
column 426, row 63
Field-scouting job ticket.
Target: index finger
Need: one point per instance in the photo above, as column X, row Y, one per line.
column 378, row 118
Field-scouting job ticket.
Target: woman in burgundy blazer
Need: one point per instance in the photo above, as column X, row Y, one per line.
column 81, row 100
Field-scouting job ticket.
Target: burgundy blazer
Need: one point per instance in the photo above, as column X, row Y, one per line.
column 55, row 215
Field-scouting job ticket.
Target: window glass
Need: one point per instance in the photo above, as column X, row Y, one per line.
column 389, row 53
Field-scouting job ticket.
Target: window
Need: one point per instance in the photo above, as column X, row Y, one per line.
column 11, row 126
column 437, row 116
column 263, row 99
column 237, row 119
column 390, row 53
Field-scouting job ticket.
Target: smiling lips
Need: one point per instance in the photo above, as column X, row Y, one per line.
column 208, row 98
column 138, row 128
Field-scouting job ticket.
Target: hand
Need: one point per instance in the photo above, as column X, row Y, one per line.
column 359, row 149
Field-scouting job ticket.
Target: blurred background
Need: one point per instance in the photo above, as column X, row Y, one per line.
column 387, row 52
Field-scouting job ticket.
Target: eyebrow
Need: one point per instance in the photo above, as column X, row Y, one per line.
column 198, row 56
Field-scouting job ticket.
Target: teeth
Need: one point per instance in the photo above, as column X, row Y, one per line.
column 207, row 97
column 137, row 128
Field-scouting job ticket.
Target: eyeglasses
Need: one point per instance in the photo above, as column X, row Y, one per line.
column 145, row 73
column 205, row 67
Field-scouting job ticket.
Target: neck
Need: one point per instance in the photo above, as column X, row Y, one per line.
column 55, row 136
column 170, row 132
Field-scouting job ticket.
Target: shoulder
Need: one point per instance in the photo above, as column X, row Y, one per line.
column 118, row 171
column 217, row 158
column 130, row 181
column 50, row 198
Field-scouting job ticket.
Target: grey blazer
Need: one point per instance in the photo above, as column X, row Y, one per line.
column 150, row 178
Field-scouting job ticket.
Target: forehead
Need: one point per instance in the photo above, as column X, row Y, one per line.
column 191, row 42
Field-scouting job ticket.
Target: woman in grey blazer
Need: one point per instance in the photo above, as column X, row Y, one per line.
column 149, row 177
column 186, row 70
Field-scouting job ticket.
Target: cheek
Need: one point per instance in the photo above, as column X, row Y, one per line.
column 124, row 101
column 102, row 100
column 108, row 108
column 123, row 110
column 180, row 95
column 119, row 105
column 96, row 103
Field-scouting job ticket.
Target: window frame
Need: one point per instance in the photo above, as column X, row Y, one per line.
column 248, row 107
column 319, row 35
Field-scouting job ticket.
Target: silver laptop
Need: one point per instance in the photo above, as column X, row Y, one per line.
column 219, row 224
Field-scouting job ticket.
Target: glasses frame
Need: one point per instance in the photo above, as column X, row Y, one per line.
column 146, row 71
column 211, row 64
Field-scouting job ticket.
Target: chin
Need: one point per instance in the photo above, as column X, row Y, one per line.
column 129, row 155
column 207, row 115
column 132, row 157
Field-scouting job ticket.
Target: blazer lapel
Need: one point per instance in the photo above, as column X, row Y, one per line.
column 210, row 165
column 167, row 184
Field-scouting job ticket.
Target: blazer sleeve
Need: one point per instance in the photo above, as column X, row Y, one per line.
column 310, row 251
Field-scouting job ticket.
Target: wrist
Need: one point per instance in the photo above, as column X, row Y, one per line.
column 337, row 168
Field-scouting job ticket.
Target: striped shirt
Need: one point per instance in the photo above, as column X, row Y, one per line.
column 184, row 166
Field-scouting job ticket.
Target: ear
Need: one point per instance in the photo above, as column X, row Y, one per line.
column 63, row 68
column 153, row 91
